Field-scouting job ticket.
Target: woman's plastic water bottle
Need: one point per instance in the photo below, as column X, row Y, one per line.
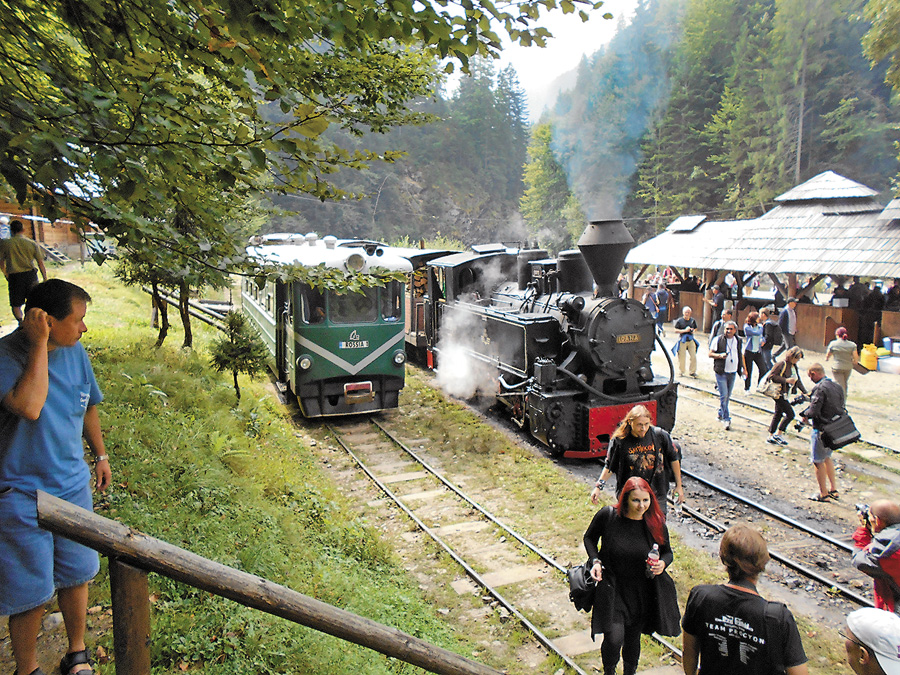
column 652, row 559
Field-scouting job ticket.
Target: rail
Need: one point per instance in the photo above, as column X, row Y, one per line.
column 133, row 554
column 208, row 316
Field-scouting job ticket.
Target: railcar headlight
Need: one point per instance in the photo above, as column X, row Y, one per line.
column 305, row 362
column 399, row 357
column 355, row 262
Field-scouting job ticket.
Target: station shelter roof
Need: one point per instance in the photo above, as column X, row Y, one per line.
column 827, row 225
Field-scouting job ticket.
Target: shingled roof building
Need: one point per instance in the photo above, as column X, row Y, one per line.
column 827, row 226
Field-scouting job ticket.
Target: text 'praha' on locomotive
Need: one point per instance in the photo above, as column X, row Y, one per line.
column 569, row 356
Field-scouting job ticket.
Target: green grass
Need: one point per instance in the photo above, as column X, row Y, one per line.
column 236, row 486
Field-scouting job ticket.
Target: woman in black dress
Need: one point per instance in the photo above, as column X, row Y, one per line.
column 633, row 596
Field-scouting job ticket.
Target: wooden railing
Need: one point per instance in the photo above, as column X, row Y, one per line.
column 132, row 555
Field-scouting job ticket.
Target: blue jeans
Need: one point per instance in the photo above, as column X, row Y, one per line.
column 725, row 384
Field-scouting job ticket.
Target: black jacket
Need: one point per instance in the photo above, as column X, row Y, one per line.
column 826, row 401
column 666, row 617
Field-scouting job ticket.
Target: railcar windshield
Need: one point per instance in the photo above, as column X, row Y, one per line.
column 353, row 307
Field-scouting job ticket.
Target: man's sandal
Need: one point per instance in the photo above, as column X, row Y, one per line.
column 818, row 498
column 36, row 671
column 834, row 494
column 73, row 659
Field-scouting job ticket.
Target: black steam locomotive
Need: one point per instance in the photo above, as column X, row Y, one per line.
column 569, row 355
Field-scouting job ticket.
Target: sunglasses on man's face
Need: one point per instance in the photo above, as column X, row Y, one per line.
column 853, row 640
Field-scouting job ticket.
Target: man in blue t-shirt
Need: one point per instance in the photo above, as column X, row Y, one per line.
column 49, row 403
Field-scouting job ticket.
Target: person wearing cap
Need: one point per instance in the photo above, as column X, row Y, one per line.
column 717, row 302
column 845, row 356
column 872, row 641
column 877, row 540
column 4, row 227
column 787, row 322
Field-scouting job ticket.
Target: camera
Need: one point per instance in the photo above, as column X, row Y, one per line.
column 798, row 399
column 863, row 510
column 798, row 426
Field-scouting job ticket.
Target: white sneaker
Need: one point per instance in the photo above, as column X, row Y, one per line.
column 780, row 439
column 727, row 425
column 771, row 439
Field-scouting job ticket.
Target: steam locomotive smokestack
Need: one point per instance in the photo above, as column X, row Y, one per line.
column 604, row 245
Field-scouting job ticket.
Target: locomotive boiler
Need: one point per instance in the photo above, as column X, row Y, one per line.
column 569, row 355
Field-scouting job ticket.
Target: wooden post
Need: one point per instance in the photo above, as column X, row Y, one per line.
column 131, row 618
column 709, row 279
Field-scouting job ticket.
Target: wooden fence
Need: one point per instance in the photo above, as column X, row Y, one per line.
column 132, row 555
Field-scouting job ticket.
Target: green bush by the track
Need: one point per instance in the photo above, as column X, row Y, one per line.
column 237, row 486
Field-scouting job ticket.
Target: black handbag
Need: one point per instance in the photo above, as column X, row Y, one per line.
column 582, row 586
column 840, row 431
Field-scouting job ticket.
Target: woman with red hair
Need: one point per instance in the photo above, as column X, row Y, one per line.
column 634, row 593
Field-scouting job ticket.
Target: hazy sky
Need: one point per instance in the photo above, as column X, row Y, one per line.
column 538, row 68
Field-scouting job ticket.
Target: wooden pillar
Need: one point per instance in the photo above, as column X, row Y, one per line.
column 630, row 292
column 709, row 278
column 131, row 618
column 792, row 285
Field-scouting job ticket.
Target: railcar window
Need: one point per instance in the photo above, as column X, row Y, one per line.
column 391, row 301
column 312, row 305
column 353, row 307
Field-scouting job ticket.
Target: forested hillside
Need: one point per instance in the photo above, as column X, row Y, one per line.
column 722, row 105
column 460, row 177
column 696, row 106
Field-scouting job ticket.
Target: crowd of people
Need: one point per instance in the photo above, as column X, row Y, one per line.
column 728, row 627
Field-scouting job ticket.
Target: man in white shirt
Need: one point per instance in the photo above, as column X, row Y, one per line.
column 728, row 363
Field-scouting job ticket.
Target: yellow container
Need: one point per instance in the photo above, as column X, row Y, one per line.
column 869, row 357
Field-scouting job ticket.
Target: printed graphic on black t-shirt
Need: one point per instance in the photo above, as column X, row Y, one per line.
column 641, row 457
column 725, row 627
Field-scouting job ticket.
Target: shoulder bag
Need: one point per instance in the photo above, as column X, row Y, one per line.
column 840, row 431
column 582, row 586
column 767, row 387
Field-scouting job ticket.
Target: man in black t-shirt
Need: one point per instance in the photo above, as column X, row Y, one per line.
column 729, row 628
column 637, row 448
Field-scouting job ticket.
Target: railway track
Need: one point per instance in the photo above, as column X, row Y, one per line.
column 809, row 557
column 803, row 552
column 822, row 559
column 497, row 560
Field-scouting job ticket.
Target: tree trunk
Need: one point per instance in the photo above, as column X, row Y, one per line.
column 184, row 310
column 237, row 389
column 163, row 308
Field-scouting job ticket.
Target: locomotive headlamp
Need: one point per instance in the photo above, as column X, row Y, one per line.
column 355, row 262
column 571, row 305
column 623, row 285
column 399, row 357
column 305, row 362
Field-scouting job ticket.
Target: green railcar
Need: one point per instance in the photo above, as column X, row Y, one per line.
column 339, row 354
